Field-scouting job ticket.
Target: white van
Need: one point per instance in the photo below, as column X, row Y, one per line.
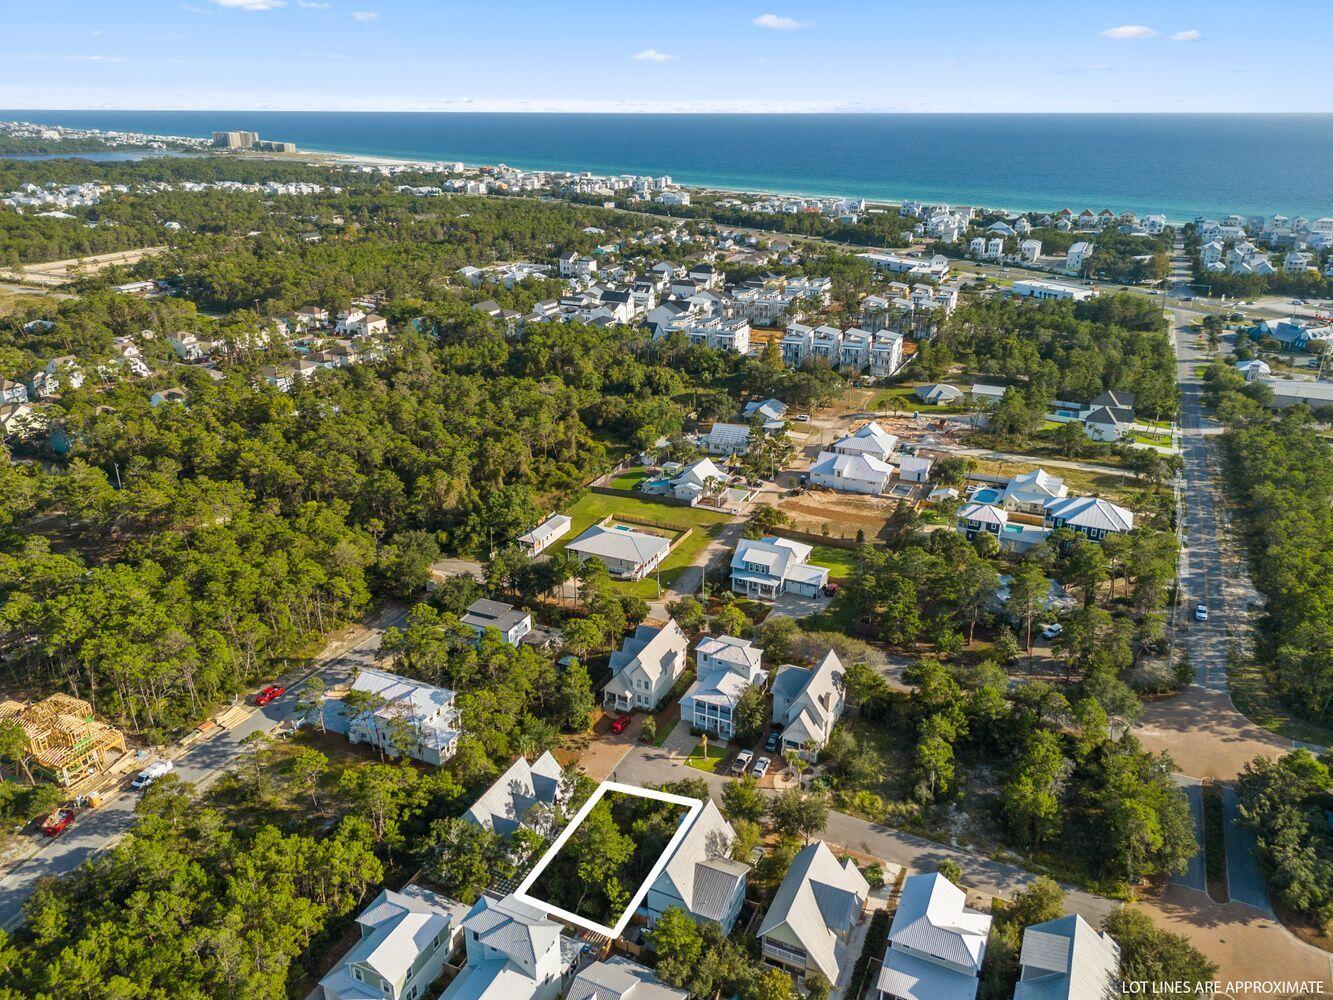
column 151, row 773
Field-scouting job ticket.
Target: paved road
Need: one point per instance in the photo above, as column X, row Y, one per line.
column 1193, row 877
column 1245, row 882
column 94, row 832
column 650, row 766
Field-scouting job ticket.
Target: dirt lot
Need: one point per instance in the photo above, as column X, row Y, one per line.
column 1204, row 734
column 844, row 513
column 61, row 272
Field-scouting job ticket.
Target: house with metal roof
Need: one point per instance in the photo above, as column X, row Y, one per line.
column 807, row 702
column 1090, row 516
column 697, row 480
column 396, row 714
column 870, row 439
column 1028, row 492
column 511, row 623
column 514, row 952
column 936, row 944
column 769, row 566
column 646, row 666
column 1067, row 959
column 810, row 920
column 727, row 439
column 850, row 473
column 626, row 553
column 700, row 878
column 617, row 978
column 724, row 666
column 938, row 393
column 522, row 796
column 540, row 538
column 406, row 938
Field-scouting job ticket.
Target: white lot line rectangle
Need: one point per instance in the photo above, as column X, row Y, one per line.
column 694, row 807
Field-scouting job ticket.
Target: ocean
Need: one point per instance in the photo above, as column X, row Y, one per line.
column 1182, row 166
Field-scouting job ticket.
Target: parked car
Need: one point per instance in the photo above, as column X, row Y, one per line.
column 151, row 773
column 57, row 823
column 761, row 767
column 771, row 744
column 1201, row 612
column 802, row 418
column 618, row 726
column 270, row 693
column 829, row 589
column 741, row 762
column 1052, row 630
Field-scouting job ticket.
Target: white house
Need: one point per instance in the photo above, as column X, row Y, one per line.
column 523, row 794
column 400, row 716
column 871, row 440
column 511, row 623
column 936, row 944
column 1067, row 959
column 12, row 392
column 646, row 666
column 367, row 325
column 626, row 553
column 406, row 938
column 1077, row 256
column 806, row 703
column 539, row 539
column 1030, row 250
column 1089, row 516
column 1029, row 492
column 850, row 473
column 695, row 481
column 886, row 353
column 1254, row 369
column 767, row 567
column 1051, row 290
column 727, row 439
column 617, row 978
column 810, row 921
column 700, row 878
column 514, row 952
column 773, row 411
column 1107, row 423
column 938, row 393
column 914, row 468
column 724, row 666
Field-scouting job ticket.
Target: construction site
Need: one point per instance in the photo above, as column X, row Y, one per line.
column 66, row 742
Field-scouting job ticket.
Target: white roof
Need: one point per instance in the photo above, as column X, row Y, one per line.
column 1037, row 483
column 819, row 901
column 870, row 440
column 502, row 807
column 619, row 543
column 1066, row 959
column 778, row 556
column 728, row 434
column 656, row 651
column 912, row 978
column 396, row 928
column 862, row 468
column 1091, row 512
column 617, row 978
column 914, row 463
column 706, row 884
column 741, row 653
column 933, row 918
column 553, row 527
column 699, row 473
column 985, row 513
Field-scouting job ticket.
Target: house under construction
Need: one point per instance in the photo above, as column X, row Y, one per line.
column 65, row 740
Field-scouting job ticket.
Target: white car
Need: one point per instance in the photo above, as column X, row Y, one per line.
column 151, row 773
column 1052, row 630
column 741, row 762
column 761, row 767
column 1201, row 612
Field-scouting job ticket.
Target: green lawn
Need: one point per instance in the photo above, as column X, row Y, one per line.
column 709, row 763
column 593, row 507
column 838, row 562
column 629, row 478
column 902, row 399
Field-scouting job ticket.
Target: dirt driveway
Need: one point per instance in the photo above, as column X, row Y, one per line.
column 1205, row 735
column 608, row 749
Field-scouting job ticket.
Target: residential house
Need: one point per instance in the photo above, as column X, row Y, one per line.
column 1030, row 250
column 524, row 795
column 173, row 395
column 1254, row 369
column 975, row 518
column 806, row 704
column 1297, row 262
column 396, row 714
column 1106, row 423
column 514, row 952
column 646, row 666
column 938, row 393
column 700, row 878
column 797, row 343
column 1029, row 492
column 914, row 468
column 1089, row 516
column 540, row 538
column 627, row 554
column 697, row 480
column 511, row 623
column 886, row 353
column 368, row 325
column 1076, row 257
column 1067, row 959
column 826, row 344
column 809, row 923
column 727, row 439
column 770, row 566
column 855, row 473
column 870, row 439
column 617, row 978
column 724, row 667
column 936, row 944
column 773, row 412
column 406, row 938
column 189, row 347
column 346, row 318
column 854, row 351
column 12, row 392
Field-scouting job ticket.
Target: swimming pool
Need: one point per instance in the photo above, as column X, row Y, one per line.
column 987, row 494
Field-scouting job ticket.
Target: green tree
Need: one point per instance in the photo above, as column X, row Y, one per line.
column 797, row 813
column 742, row 800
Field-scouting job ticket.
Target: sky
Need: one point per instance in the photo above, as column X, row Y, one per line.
column 724, row 55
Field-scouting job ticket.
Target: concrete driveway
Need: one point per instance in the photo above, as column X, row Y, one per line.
column 1194, row 876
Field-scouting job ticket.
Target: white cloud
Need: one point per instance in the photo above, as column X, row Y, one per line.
column 1192, row 35
column 106, row 59
column 309, row 5
column 252, row 4
column 365, row 15
column 1126, row 31
column 779, row 23
column 651, row 55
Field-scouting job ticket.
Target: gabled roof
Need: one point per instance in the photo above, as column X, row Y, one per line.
column 983, row 513
column 619, row 543
column 1066, row 959
column 819, row 901
column 656, row 651
column 1110, row 416
column 396, row 928
column 862, row 468
column 871, row 439
column 514, row 928
column 617, row 978
column 503, row 806
column 776, row 555
column 741, row 654
column 818, row 693
column 933, row 918
column 705, row 884
column 1091, row 512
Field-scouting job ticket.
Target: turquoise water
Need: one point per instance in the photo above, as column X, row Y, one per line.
column 1180, row 165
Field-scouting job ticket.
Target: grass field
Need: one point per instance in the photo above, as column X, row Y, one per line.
column 629, row 478
column 711, row 762
column 593, row 507
column 838, row 562
column 902, row 399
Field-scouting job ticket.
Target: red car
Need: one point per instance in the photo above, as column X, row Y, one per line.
column 830, row 589
column 269, row 694
column 619, row 725
column 58, row 822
